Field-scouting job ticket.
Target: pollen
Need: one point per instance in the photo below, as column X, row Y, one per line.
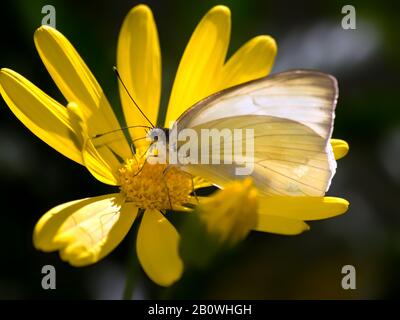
column 154, row 186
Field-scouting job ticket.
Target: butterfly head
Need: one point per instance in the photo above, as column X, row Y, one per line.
column 158, row 134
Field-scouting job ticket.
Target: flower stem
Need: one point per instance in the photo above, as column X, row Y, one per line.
column 130, row 278
column 132, row 266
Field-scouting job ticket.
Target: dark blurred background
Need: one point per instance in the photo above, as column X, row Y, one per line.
column 366, row 61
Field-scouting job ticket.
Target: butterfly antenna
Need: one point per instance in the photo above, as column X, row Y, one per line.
column 133, row 100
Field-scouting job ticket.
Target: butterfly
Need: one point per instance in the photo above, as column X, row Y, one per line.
column 292, row 116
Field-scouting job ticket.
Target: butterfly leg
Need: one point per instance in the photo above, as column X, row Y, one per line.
column 193, row 189
column 141, row 168
column 165, row 172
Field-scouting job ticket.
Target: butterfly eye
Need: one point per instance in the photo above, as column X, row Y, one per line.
column 155, row 134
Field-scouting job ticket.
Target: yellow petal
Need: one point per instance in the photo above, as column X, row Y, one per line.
column 104, row 166
column 85, row 230
column 44, row 116
column 202, row 61
column 253, row 60
column 340, row 148
column 157, row 248
column 303, row 208
column 231, row 213
column 139, row 64
column 75, row 80
column 280, row 225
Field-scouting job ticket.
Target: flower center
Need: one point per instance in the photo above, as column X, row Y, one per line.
column 154, row 186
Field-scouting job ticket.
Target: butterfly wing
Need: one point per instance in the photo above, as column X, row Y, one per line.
column 291, row 114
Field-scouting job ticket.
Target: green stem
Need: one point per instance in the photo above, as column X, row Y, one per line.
column 132, row 266
column 130, row 279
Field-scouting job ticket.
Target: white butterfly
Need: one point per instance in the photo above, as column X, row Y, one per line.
column 292, row 116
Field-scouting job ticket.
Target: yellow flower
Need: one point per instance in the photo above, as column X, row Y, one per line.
column 86, row 230
column 222, row 220
column 231, row 213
